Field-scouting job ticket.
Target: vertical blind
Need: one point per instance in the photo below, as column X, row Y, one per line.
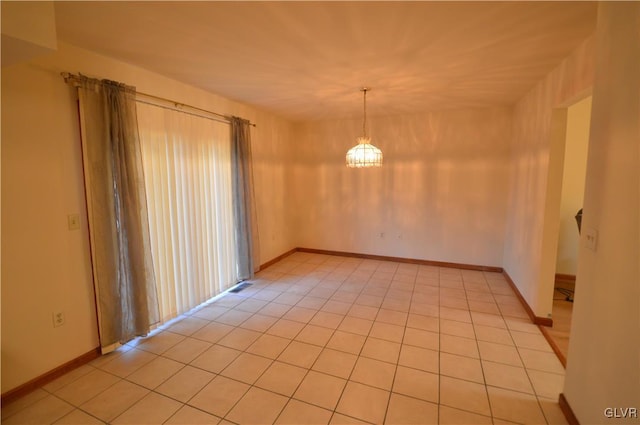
column 187, row 166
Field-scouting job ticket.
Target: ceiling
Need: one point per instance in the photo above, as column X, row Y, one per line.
column 308, row 60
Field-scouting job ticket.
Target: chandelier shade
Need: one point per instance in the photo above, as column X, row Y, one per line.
column 364, row 154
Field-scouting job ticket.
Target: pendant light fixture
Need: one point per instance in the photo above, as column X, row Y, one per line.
column 364, row 154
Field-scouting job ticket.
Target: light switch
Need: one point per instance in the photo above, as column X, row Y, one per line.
column 591, row 239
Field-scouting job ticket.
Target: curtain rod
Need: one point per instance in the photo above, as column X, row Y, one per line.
column 177, row 105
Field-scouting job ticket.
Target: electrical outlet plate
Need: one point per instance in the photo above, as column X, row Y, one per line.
column 58, row 319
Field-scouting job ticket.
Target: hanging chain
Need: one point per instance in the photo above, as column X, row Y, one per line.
column 364, row 122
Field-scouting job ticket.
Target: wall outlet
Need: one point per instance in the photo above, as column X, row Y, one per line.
column 58, row 319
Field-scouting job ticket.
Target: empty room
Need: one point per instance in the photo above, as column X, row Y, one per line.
column 320, row 212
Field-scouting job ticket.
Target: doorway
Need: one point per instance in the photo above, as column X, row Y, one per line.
column 574, row 166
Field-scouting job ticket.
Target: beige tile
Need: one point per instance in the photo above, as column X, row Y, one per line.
column 379, row 349
column 300, row 314
column 281, row 378
column 387, row 331
column 129, row 362
column 339, row 419
column 521, row 325
column 515, row 406
column 336, row 307
column 185, row 384
column 300, row 354
column 209, row 312
column 159, row 342
column 86, row 387
column 531, row 341
column 363, row 402
column 407, row 410
column 316, row 335
column 213, row 332
column 545, row 384
column 540, row 360
column 297, row 412
column 187, row 415
column 187, row 350
column 266, row 295
column 426, row 323
column 391, row 316
column 155, row 372
column 488, row 307
column 311, row 302
column 363, row 312
column 246, row 368
column 456, row 313
column 355, row 325
column 419, row 358
column 416, row 383
column 78, row 417
column 320, row 390
column 327, row 320
column 65, row 379
column 44, row 411
column 491, row 334
column 512, row 310
column 425, row 308
column 275, row 310
column 461, row 367
column 239, row 338
column 336, row 363
column 268, row 346
column 457, row 345
column 451, row 416
column 251, row 305
column 288, row 298
column 216, row 358
column 374, row 373
column 452, row 327
column 420, row 338
column 552, row 412
column 24, row 401
column 257, row 407
column 464, row 395
column 259, row 322
column 508, row 377
column 370, row 300
column 485, row 319
column 347, row 342
column 219, row 396
column 109, row 404
column 286, row 328
column 396, row 305
column 499, row 353
column 152, row 409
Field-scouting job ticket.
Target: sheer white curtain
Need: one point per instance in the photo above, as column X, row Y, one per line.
column 187, row 166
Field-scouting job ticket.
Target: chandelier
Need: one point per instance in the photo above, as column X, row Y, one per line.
column 364, row 154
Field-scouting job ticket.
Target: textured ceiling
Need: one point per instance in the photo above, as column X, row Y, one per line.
column 308, row 60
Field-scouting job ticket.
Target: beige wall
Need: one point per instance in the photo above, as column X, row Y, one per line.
column 573, row 179
column 534, row 196
column 441, row 194
column 603, row 367
column 45, row 266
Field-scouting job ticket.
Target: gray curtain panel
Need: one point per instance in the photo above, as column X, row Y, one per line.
column 246, row 235
column 117, row 207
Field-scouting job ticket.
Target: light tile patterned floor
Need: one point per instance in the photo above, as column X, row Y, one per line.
column 320, row 339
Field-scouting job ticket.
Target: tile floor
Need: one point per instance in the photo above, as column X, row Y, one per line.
column 325, row 339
